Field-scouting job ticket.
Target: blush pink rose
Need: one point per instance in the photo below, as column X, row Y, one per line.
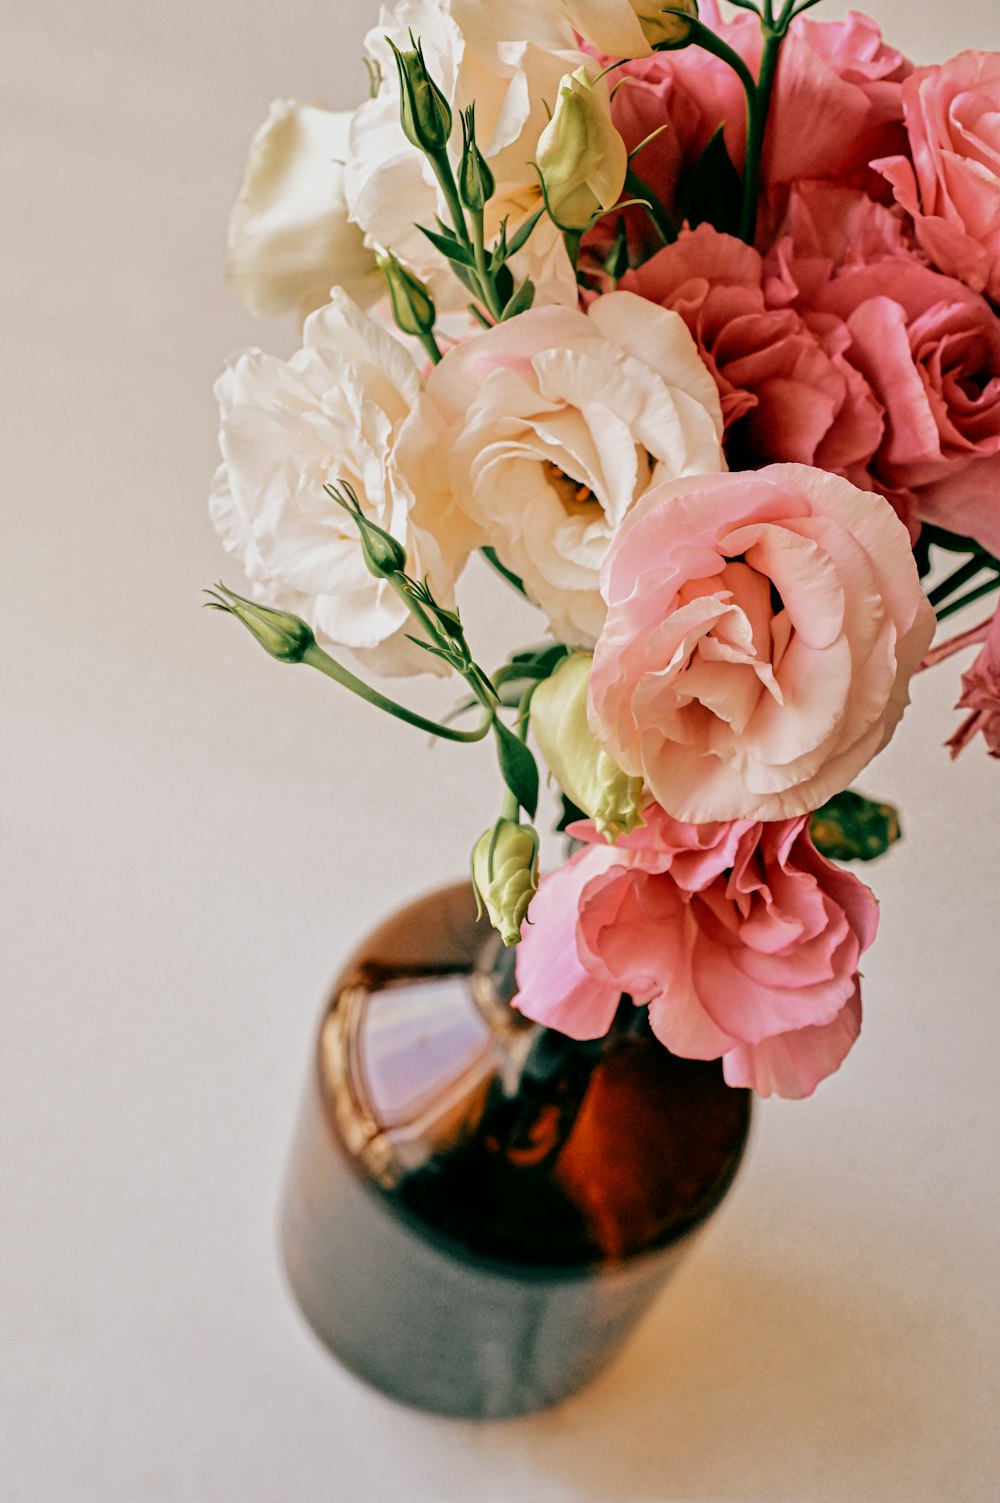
column 741, row 939
column 762, row 629
column 929, row 349
column 949, row 179
column 787, row 391
column 981, row 696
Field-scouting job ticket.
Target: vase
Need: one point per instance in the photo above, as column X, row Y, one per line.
column 478, row 1210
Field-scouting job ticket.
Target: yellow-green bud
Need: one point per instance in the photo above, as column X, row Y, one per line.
column 581, row 158
column 383, row 554
column 505, row 875
column 664, row 31
column 284, row 636
column 585, row 773
column 412, row 305
column 424, row 113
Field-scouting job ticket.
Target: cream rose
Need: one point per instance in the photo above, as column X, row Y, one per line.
column 545, row 431
column 333, row 412
column 762, row 630
column 509, row 60
column 290, row 238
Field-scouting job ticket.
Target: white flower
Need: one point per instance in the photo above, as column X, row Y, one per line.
column 509, row 60
column 290, row 239
column 550, row 427
column 629, row 28
column 333, row 412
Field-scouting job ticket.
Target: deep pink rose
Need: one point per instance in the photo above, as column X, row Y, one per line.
column 981, row 697
column 761, row 633
column 787, row 391
column 741, row 939
column 929, row 349
column 952, row 184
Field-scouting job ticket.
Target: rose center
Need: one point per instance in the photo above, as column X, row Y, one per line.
column 576, row 498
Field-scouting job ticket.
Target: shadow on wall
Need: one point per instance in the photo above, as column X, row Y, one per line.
column 750, row 1384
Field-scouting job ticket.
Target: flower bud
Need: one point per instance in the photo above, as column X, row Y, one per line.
column 284, row 636
column 424, row 113
column 384, row 555
column 585, row 773
column 412, row 305
column 476, row 183
column 581, row 158
column 631, row 28
column 505, row 875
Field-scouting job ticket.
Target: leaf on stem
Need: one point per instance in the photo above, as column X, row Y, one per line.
column 518, row 767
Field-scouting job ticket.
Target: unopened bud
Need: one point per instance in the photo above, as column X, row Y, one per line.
column 581, row 158
column 663, row 31
column 505, row 875
column 284, row 636
column 384, row 555
column 476, row 183
column 632, row 28
column 412, row 305
column 585, row 773
column 424, row 113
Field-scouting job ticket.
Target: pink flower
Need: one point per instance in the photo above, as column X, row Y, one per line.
column 740, row 938
column 929, row 349
column 761, row 633
column 787, row 391
column 952, row 184
column 981, row 696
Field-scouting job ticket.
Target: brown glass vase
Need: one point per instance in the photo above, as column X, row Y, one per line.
column 478, row 1210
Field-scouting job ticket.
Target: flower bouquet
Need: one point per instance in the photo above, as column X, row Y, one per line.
column 688, row 326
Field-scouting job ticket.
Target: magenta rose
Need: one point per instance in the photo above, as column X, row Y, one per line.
column 929, row 349
column 741, row 939
column 761, row 632
column 787, row 391
column 949, row 180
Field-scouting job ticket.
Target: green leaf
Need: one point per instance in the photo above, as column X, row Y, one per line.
column 520, row 302
column 570, row 815
column 504, row 284
column 851, row 827
column 520, row 237
column 710, row 193
column 519, row 768
column 446, row 243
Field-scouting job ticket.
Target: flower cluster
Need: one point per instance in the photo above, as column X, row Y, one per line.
column 688, row 326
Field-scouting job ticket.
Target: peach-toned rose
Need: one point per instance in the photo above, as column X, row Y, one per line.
column 787, row 391
column 740, row 938
column 949, row 180
column 761, row 633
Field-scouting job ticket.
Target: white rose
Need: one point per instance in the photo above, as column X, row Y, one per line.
column 290, row 239
column 549, row 428
column 509, row 60
column 333, row 412
column 628, row 28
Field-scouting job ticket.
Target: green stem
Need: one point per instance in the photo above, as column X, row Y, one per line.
column 432, row 347
column 486, row 287
column 317, row 658
column 961, row 576
column 758, row 109
column 441, row 164
column 662, row 220
column 977, row 594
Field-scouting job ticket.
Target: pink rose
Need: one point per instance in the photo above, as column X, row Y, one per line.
column 740, row 938
column 952, row 185
column 761, row 633
column 981, row 696
column 929, row 349
column 787, row 391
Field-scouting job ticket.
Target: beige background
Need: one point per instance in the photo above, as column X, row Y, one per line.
column 192, row 836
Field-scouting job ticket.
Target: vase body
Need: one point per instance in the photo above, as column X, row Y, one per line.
column 477, row 1211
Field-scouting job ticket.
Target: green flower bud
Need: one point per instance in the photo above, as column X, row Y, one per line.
column 284, row 636
column 412, row 305
column 582, row 159
column 424, row 113
column 384, row 555
column 585, row 773
column 476, row 183
column 505, row 875
column 664, row 32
